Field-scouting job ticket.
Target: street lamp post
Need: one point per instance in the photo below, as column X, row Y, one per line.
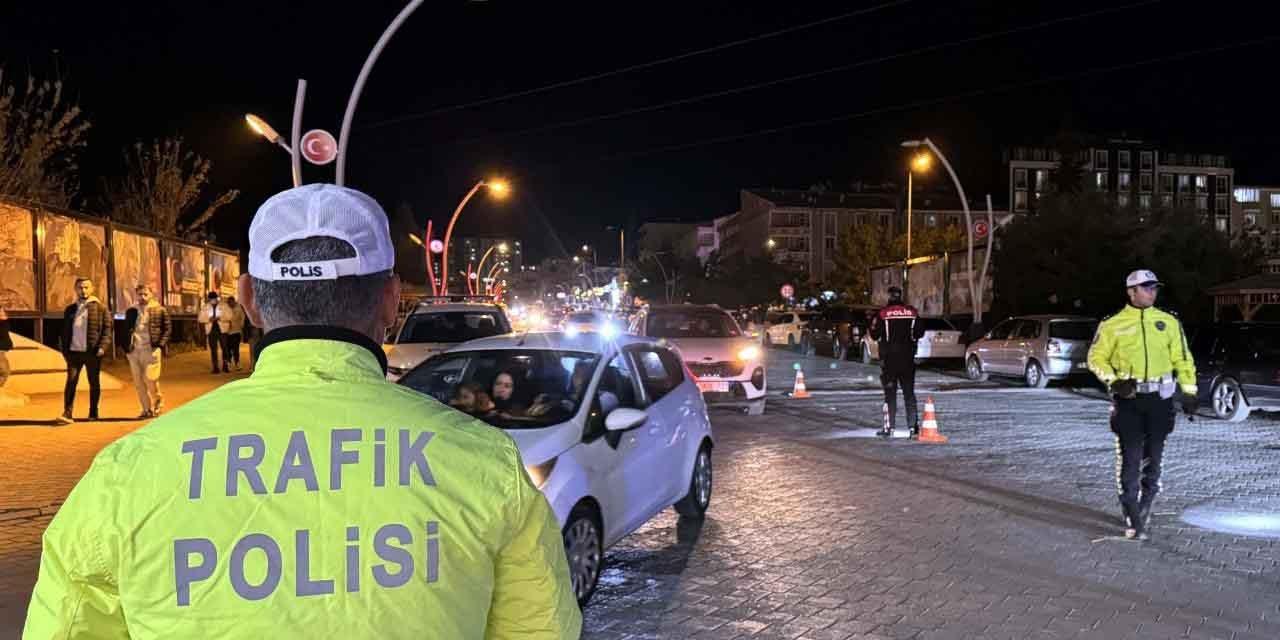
column 920, row 163
column 502, row 249
column 497, row 188
column 345, row 136
column 975, row 291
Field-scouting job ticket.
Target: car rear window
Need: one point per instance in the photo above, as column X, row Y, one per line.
column 937, row 324
column 693, row 323
column 452, row 326
column 1072, row 329
column 583, row 317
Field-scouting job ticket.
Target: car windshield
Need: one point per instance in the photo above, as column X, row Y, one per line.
column 452, row 326
column 509, row 389
column 1072, row 329
column 691, row 323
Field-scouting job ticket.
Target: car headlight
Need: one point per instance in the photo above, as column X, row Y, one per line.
column 540, row 472
column 749, row 353
column 571, row 330
column 609, row 331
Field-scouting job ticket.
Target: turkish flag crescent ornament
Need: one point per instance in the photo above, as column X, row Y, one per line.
column 319, row 147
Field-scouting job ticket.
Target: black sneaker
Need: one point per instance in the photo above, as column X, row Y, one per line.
column 885, row 433
column 915, row 432
column 93, row 417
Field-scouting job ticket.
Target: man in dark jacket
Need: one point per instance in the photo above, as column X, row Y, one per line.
column 86, row 334
column 896, row 328
column 147, row 326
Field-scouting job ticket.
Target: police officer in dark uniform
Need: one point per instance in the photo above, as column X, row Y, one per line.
column 897, row 328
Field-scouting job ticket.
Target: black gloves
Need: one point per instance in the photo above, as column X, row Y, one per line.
column 1189, row 404
column 1126, row 389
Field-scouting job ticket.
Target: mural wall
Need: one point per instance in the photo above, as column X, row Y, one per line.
column 224, row 270
column 72, row 249
column 17, row 259
column 184, row 277
column 137, row 261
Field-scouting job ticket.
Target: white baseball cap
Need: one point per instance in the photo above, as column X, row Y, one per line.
column 1141, row 277
column 320, row 210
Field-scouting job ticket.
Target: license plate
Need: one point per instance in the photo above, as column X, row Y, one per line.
column 713, row 386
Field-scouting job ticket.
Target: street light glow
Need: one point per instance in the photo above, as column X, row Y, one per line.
column 502, row 248
column 498, row 188
column 921, row 162
column 415, row 239
column 261, row 128
column 771, row 243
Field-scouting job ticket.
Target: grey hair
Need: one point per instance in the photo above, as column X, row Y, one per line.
column 348, row 301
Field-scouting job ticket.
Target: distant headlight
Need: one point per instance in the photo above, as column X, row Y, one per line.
column 540, row 472
column 609, row 331
column 749, row 353
column 571, row 330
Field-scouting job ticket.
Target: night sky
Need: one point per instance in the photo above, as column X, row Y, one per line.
column 428, row 125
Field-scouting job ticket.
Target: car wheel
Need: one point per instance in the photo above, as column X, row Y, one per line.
column 1228, row 401
column 973, row 368
column 695, row 503
column 1034, row 376
column 584, row 548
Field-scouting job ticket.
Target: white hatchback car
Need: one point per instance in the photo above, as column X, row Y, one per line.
column 728, row 363
column 433, row 327
column 941, row 340
column 612, row 431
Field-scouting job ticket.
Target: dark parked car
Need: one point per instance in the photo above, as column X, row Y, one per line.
column 1238, row 367
column 837, row 331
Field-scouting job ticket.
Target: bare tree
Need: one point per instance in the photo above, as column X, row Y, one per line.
column 162, row 186
column 40, row 135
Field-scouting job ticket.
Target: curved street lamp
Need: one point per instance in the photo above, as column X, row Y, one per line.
column 974, row 290
column 502, row 249
column 498, row 189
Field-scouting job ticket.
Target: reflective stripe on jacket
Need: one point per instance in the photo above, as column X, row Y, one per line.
column 1143, row 345
column 311, row 500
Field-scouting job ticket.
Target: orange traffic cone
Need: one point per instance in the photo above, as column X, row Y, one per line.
column 799, row 391
column 929, row 428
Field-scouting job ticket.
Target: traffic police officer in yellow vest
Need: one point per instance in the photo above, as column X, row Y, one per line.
column 1141, row 354
column 313, row 499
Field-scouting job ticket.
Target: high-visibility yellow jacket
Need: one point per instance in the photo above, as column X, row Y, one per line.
column 311, row 500
column 1143, row 345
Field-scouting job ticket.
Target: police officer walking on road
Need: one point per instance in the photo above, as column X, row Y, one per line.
column 313, row 499
column 1141, row 354
column 897, row 329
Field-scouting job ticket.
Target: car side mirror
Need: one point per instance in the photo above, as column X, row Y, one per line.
column 623, row 418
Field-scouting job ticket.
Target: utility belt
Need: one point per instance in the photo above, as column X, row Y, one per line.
column 1165, row 386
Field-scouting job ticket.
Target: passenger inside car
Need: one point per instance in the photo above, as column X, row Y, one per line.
column 471, row 398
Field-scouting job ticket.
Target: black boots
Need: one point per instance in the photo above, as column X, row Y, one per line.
column 1136, row 521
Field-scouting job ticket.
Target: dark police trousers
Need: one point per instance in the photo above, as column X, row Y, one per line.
column 1141, row 426
column 898, row 369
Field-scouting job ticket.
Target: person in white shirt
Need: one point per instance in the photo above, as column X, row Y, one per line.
column 148, row 327
column 210, row 319
column 232, row 331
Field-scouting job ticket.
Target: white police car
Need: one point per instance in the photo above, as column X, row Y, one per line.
column 612, row 431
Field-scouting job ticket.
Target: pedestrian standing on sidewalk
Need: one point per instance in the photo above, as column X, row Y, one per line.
column 434, row 531
column 86, row 334
column 1141, row 354
column 210, row 320
column 232, row 333
column 148, row 327
column 6, row 345
column 897, row 328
